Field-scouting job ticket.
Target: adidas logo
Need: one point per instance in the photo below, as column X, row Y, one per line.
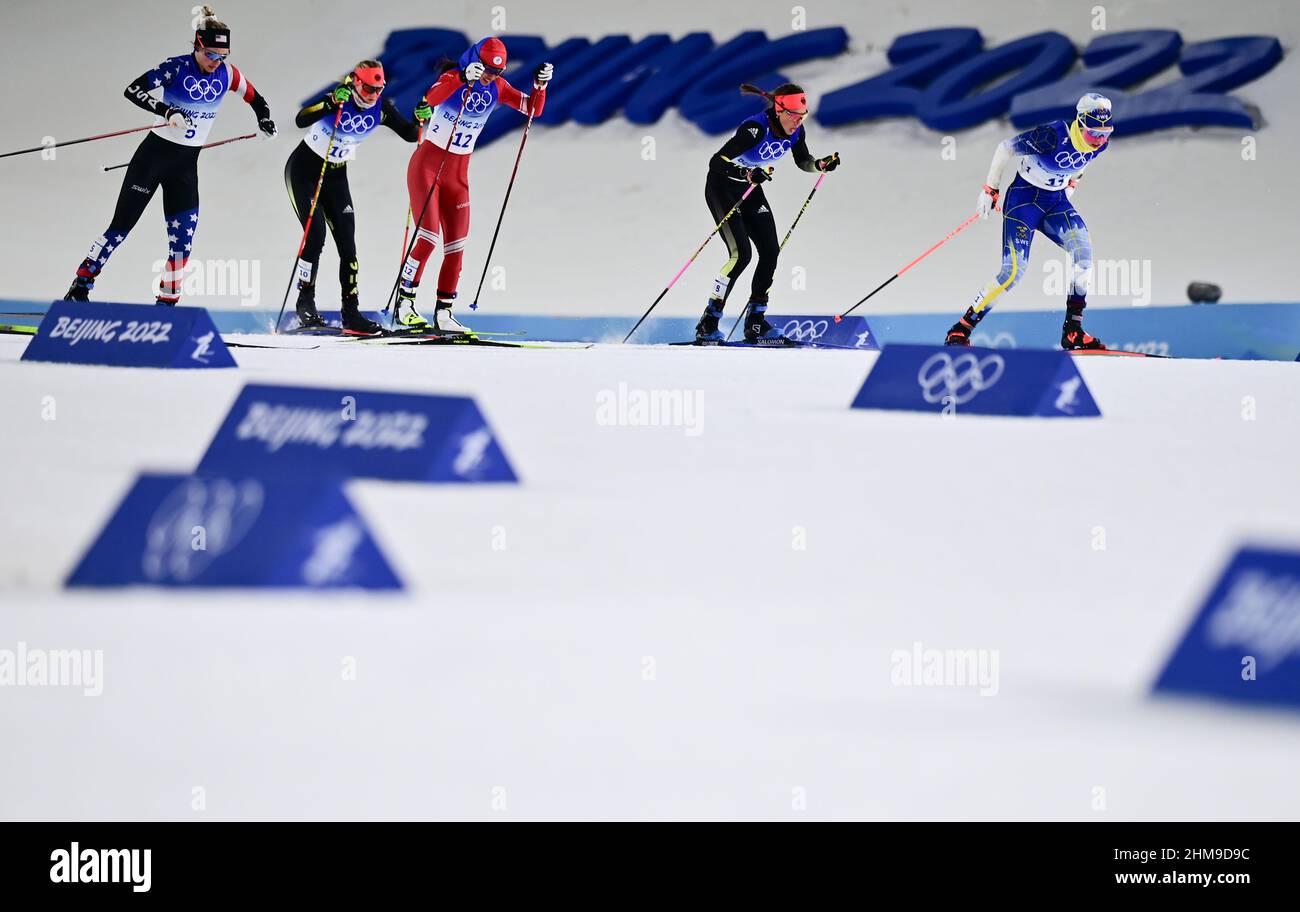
column 763, row 208
column 347, row 209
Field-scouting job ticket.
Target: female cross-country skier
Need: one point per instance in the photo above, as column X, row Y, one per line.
column 1052, row 158
column 357, row 104
column 462, row 100
column 184, row 93
column 746, row 159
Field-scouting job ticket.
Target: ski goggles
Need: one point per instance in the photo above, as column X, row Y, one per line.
column 1096, row 137
column 215, row 56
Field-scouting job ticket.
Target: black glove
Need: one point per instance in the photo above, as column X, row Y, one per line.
column 759, row 175
column 267, row 126
column 829, row 163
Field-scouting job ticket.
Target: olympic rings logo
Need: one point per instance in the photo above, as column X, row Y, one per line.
column 203, row 89
column 1067, row 159
column 478, row 102
column 805, row 330
column 770, row 150
column 959, row 378
column 359, row 123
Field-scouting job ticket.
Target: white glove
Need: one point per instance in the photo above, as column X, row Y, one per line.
column 543, row 74
column 1070, row 188
column 178, row 119
column 988, row 201
column 474, row 72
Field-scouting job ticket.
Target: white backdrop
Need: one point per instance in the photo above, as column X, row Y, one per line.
column 593, row 227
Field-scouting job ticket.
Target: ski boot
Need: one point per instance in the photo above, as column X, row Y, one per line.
column 961, row 331
column 405, row 315
column 706, row 331
column 355, row 323
column 1073, row 338
column 305, row 307
column 444, row 324
column 80, row 289
column 762, row 333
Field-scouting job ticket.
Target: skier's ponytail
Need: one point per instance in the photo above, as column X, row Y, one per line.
column 788, row 88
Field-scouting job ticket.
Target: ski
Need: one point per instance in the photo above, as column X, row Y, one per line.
column 474, row 340
column 787, row 343
column 1121, row 354
column 397, row 335
column 11, row 329
column 230, row 344
column 312, row 331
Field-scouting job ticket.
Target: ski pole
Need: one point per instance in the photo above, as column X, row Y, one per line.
column 406, row 236
column 73, row 142
column 802, row 209
column 306, row 228
column 952, row 234
column 208, row 146
column 446, row 152
column 510, row 186
column 716, row 229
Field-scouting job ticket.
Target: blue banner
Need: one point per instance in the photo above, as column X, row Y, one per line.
column 128, row 335
column 218, row 531
column 849, row 332
column 977, row 381
column 1244, row 643
column 292, row 431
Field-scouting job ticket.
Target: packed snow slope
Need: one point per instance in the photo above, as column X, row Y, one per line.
column 665, row 622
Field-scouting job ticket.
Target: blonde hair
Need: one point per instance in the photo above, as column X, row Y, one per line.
column 208, row 19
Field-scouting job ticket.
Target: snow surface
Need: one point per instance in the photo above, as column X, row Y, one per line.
column 524, row 668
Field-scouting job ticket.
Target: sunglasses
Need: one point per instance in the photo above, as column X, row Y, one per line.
column 1095, row 137
column 366, row 89
column 213, row 55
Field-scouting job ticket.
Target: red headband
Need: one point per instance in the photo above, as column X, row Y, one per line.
column 797, row 103
column 370, row 76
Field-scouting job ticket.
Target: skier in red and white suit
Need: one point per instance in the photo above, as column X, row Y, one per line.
column 462, row 99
